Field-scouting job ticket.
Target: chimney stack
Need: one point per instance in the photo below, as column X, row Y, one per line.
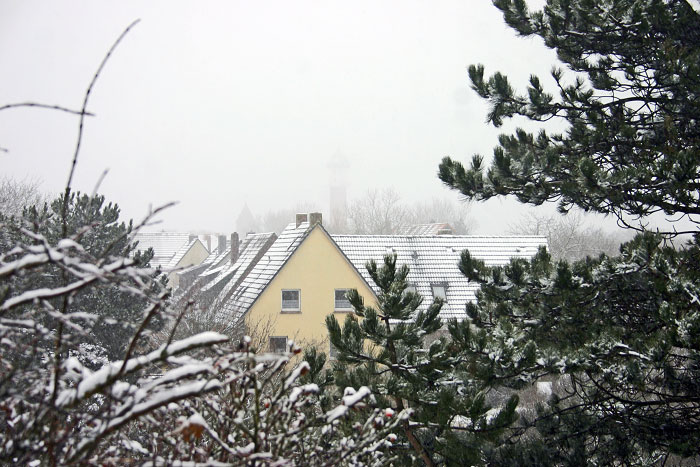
column 234, row 247
column 221, row 245
column 315, row 218
column 191, row 238
column 301, row 218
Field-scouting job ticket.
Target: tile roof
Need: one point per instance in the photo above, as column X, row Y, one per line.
column 217, row 260
column 434, row 260
column 198, row 274
column 231, row 275
column 164, row 244
column 177, row 257
column 425, row 229
column 237, row 301
column 195, row 269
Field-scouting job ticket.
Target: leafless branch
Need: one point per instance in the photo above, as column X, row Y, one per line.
column 82, row 115
column 46, row 106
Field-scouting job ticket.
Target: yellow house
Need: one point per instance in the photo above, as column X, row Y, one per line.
column 300, row 280
column 173, row 251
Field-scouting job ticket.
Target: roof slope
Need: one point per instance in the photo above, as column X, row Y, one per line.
column 164, row 244
column 242, row 297
column 216, row 260
column 425, row 229
column 434, row 260
column 198, row 274
column 177, row 257
column 230, row 276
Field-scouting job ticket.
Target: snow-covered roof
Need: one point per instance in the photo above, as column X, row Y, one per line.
column 200, row 273
column 425, row 229
column 164, row 244
column 195, row 269
column 433, row 260
column 238, row 301
column 252, row 248
column 179, row 254
column 217, row 260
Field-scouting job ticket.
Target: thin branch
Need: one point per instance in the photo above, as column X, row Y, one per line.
column 82, row 119
column 46, row 106
column 99, row 182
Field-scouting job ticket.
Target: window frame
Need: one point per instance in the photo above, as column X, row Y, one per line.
column 290, row 310
column 441, row 285
column 271, row 347
column 336, row 309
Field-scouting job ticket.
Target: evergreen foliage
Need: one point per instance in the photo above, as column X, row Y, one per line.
column 397, row 352
column 632, row 139
column 620, row 335
column 625, row 333
column 102, row 236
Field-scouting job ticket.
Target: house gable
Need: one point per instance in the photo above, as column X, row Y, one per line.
column 189, row 255
column 316, row 268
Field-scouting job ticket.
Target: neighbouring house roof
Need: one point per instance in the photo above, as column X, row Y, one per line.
column 249, row 248
column 179, row 254
column 198, row 273
column 433, row 260
column 239, row 300
column 195, row 269
column 165, row 245
column 217, row 260
column 426, row 229
column 231, row 275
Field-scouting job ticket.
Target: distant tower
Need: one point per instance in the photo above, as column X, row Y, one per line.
column 245, row 222
column 338, row 166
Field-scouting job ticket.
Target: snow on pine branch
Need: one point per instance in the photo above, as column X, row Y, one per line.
column 93, row 382
column 46, row 293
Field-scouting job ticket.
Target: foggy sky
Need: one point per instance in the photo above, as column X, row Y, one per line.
column 216, row 104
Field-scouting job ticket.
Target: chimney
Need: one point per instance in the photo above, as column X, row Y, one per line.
column 301, row 218
column 315, row 218
column 209, row 243
column 221, row 246
column 234, row 247
column 191, row 238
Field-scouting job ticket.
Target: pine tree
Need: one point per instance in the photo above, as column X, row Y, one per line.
column 399, row 354
column 631, row 146
column 96, row 226
column 622, row 331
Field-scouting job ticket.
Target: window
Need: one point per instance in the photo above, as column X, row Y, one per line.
column 278, row 344
column 291, row 301
column 341, row 300
column 439, row 291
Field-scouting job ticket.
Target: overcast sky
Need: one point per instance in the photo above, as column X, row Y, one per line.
column 216, row 104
